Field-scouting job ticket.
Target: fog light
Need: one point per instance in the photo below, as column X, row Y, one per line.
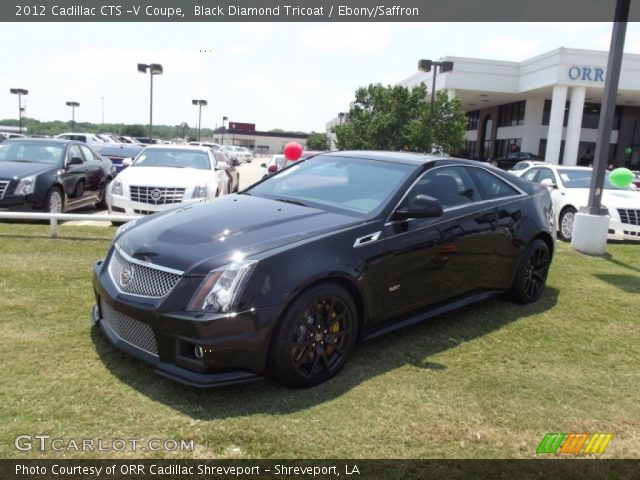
column 198, row 352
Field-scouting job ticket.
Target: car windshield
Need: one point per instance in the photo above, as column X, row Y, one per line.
column 575, row 178
column 175, row 158
column 521, row 166
column 31, row 152
column 358, row 186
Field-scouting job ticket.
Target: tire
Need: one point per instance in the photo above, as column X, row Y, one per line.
column 55, row 201
column 79, row 190
column 235, row 190
column 102, row 194
column 531, row 276
column 565, row 223
column 314, row 338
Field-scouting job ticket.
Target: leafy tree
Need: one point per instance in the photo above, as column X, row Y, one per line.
column 134, row 131
column 317, row 141
column 397, row 118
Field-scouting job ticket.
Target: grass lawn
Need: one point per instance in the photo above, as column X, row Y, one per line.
column 487, row 381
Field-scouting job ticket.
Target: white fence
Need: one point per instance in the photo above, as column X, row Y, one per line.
column 55, row 217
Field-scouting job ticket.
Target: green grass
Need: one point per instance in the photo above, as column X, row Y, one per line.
column 486, row 381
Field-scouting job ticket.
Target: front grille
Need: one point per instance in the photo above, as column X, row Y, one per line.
column 143, row 212
column 156, row 195
column 634, row 234
column 137, row 279
column 128, row 329
column 630, row 217
column 3, row 187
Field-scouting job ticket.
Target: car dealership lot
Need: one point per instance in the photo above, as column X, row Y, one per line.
column 486, row 381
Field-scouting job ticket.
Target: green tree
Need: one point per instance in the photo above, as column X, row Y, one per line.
column 397, row 118
column 317, row 141
column 134, row 131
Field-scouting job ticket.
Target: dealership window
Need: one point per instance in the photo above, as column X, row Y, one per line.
column 510, row 145
column 586, row 153
column 470, row 150
column 546, row 113
column 591, row 116
column 542, row 150
column 472, row 120
column 511, row 114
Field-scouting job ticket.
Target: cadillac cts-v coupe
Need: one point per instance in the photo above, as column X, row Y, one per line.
column 283, row 278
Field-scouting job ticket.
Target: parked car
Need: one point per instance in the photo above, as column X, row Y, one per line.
column 232, row 172
column 277, row 162
column 232, row 154
column 162, row 176
column 507, row 162
column 212, row 146
column 120, row 154
column 246, row 153
column 569, row 187
column 88, row 138
column 53, row 175
column 284, row 278
column 521, row 166
column 5, row 135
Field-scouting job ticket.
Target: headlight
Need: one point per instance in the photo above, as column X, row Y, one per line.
column 200, row 191
column 218, row 291
column 26, row 186
column 125, row 226
column 116, row 189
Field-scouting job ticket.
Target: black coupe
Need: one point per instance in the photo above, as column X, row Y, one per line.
column 53, row 175
column 284, row 277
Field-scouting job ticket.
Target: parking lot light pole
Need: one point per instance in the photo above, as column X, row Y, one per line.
column 154, row 69
column 200, row 104
column 19, row 92
column 425, row 66
column 73, row 106
column 224, row 119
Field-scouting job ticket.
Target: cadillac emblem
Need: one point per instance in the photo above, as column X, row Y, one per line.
column 126, row 275
column 156, row 194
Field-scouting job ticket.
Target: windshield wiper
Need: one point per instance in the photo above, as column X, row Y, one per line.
column 293, row 202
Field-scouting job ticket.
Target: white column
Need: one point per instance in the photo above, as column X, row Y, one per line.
column 532, row 125
column 556, row 119
column 574, row 124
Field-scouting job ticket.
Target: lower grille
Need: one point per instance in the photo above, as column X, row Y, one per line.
column 630, row 217
column 143, row 212
column 129, row 330
column 156, row 195
column 3, row 187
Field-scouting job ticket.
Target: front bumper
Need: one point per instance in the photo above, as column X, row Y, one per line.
column 623, row 231
column 118, row 204
column 233, row 347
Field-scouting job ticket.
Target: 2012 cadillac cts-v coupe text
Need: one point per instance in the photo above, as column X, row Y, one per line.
column 283, row 278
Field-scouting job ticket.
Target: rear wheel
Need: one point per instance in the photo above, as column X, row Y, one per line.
column 102, row 194
column 531, row 276
column 54, row 202
column 567, row 218
column 312, row 342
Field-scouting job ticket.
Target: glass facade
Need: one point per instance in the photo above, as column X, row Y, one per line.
column 511, row 114
column 472, row 120
column 504, row 147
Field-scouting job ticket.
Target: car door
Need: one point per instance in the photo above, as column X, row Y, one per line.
column 432, row 260
column 538, row 174
column 74, row 179
column 94, row 173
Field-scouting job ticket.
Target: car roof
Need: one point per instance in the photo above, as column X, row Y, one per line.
column 407, row 158
column 192, row 148
column 60, row 141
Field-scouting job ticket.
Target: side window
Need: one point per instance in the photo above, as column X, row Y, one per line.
column 74, row 151
column 452, row 186
column 530, row 175
column 545, row 174
column 491, row 186
column 88, row 154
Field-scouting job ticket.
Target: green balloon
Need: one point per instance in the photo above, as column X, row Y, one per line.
column 628, row 150
column 621, row 177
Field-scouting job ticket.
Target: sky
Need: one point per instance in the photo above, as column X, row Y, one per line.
column 292, row 76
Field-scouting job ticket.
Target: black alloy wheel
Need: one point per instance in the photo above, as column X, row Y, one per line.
column 531, row 276
column 315, row 337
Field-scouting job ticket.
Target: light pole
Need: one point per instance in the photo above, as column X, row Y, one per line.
column 73, row 106
column 425, row 66
column 224, row 119
column 200, row 104
column 341, row 117
column 19, row 92
column 102, row 98
column 154, row 69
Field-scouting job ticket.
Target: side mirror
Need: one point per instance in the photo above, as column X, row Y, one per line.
column 126, row 162
column 74, row 161
column 222, row 166
column 263, row 165
column 547, row 182
column 420, row 206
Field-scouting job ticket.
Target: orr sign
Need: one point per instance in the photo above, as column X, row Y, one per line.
column 590, row 74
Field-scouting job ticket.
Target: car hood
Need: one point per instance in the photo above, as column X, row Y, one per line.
column 23, row 169
column 164, row 176
column 610, row 198
column 198, row 238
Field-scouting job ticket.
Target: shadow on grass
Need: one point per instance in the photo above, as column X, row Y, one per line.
column 626, row 283
column 413, row 345
column 608, row 257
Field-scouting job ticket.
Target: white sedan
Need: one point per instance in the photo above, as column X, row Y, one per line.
column 569, row 187
column 162, row 176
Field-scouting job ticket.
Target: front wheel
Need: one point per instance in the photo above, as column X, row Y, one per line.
column 54, row 202
column 315, row 337
column 567, row 218
column 531, row 276
column 102, row 195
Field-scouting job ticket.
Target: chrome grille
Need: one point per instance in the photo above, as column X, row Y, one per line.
column 137, row 279
column 3, row 187
column 128, row 329
column 630, row 217
column 156, row 195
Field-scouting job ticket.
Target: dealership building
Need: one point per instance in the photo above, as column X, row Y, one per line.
column 245, row 135
column 547, row 105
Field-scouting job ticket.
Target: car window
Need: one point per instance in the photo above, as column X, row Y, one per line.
column 491, row 187
column 74, row 152
column 520, row 165
column 452, row 186
column 530, row 175
column 88, row 154
column 30, row 152
column 545, row 174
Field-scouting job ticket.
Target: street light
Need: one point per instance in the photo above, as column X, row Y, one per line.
column 73, row 106
column 200, row 103
column 19, row 92
column 224, row 119
column 425, row 66
column 341, row 117
column 154, row 69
